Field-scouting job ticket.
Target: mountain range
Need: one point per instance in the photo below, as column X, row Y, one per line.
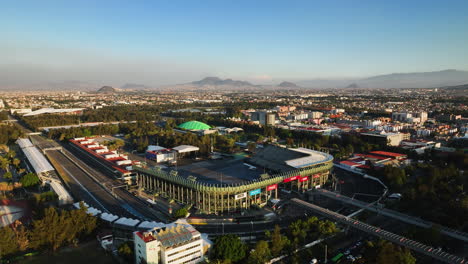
column 215, row 81
column 395, row 80
column 435, row 79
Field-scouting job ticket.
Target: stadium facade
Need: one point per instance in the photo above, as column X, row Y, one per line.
column 289, row 169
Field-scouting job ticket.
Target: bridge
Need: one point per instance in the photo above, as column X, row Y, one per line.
column 394, row 214
column 376, row 231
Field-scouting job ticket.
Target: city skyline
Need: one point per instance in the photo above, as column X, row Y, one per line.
column 161, row 43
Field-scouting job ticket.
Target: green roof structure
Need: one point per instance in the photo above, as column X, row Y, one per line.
column 194, row 125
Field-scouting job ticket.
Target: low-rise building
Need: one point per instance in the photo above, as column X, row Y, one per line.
column 171, row 244
column 384, row 138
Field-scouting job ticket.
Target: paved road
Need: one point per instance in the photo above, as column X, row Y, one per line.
column 83, row 187
column 138, row 207
column 397, row 239
column 394, row 214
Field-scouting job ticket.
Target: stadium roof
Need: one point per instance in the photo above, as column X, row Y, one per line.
column 284, row 159
column 194, row 125
column 313, row 157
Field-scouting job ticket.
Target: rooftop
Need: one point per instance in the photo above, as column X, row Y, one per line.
column 194, row 125
column 38, row 161
column 53, row 111
column 284, row 159
column 170, row 235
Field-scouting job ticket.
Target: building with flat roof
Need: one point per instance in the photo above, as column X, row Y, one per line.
column 42, row 111
column 384, row 138
column 171, row 244
column 39, row 163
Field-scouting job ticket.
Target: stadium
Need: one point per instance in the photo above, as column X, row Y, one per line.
column 230, row 185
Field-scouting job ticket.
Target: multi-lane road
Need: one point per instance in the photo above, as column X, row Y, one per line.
column 376, row 231
column 394, row 214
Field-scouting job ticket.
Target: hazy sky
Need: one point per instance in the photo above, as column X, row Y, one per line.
column 165, row 42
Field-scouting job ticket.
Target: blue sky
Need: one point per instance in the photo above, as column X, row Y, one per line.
column 164, row 42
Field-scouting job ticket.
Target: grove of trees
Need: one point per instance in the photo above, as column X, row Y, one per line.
column 51, row 230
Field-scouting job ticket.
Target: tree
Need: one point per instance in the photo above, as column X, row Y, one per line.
column 260, row 254
column 278, row 241
column 8, row 176
column 21, row 235
column 11, row 154
column 6, row 237
column 180, row 213
column 16, row 162
column 4, row 162
column 228, row 248
column 29, row 180
column 56, row 229
column 326, row 228
column 385, row 252
column 126, row 251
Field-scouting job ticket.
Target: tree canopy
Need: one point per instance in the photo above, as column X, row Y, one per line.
column 228, row 248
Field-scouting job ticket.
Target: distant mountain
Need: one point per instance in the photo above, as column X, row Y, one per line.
column 134, row 86
column 288, row 85
column 395, row 80
column 456, row 87
column 416, row 79
column 352, row 86
column 107, row 90
column 215, row 81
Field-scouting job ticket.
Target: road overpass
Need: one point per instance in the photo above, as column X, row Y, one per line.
column 376, row 231
column 453, row 233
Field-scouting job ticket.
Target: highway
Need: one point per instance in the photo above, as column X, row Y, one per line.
column 376, row 231
column 394, row 214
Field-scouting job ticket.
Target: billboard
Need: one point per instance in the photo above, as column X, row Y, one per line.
column 291, row 179
column 240, row 196
column 272, row 187
column 255, row 192
column 303, row 179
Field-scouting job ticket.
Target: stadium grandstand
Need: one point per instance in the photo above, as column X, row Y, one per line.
column 111, row 159
column 272, row 168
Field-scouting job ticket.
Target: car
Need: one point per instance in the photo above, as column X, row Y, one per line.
column 347, row 252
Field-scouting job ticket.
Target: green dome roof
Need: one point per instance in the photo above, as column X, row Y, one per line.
column 194, row 125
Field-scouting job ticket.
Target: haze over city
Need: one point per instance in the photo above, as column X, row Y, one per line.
column 162, row 43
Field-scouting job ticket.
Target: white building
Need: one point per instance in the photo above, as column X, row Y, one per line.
column 337, row 111
column 172, row 244
column 402, row 117
column 315, row 115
